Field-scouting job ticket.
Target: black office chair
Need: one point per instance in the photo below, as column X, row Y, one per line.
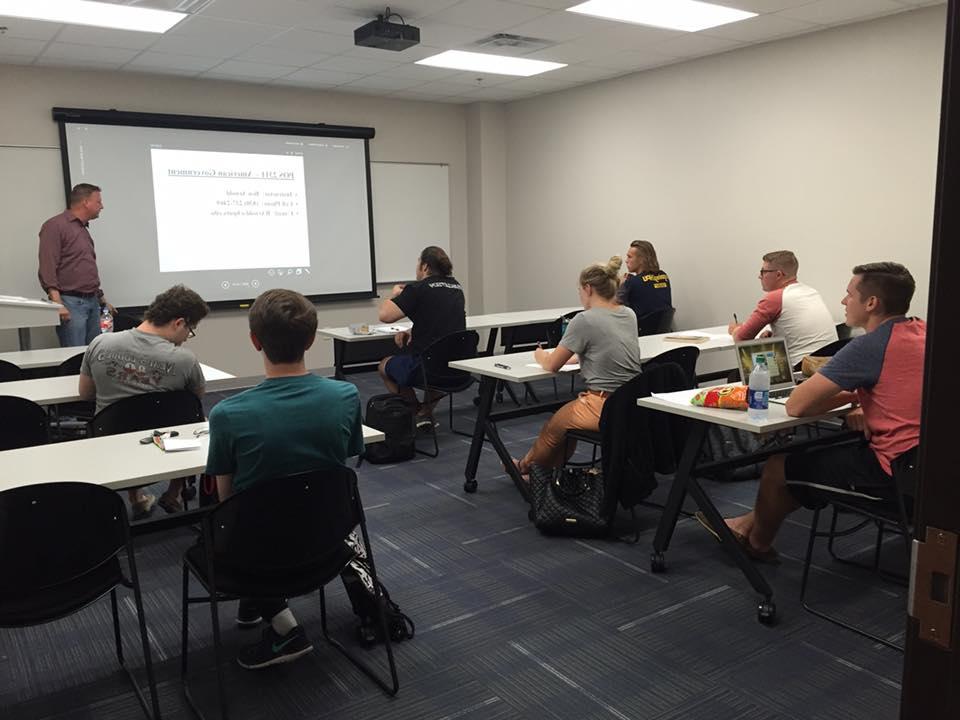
column 59, row 553
column 126, row 321
column 844, row 331
column 149, row 412
column 828, row 350
column 887, row 516
column 524, row 338
column 438, row 377
column 283, row 537
column 555, row 333
column 23, row 423
column 9, row 372
column 686, row 357
column 656, row 322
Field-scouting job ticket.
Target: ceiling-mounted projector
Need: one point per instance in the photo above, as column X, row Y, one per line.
column 386, row 35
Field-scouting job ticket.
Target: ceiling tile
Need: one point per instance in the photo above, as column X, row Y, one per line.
column 829, row 11
column 16, row 47
column 91, row 53
column 586, row 73
column 309, row 41
column 443, row 35
column 695, row 45
column 414, row 72
column 77, row 64
column 478, row 80
column 411, row 54
column 548, row 4
column 487, row 14
column 85, row 35
column 162, row 62
column 29, row 29
column 345, row 63
column 251, row 71
column 764, row 6
column 287, row 13
column 498, row 94
column 441, row 87
column 317, row 78
column 408, row 9
column 762, row 28
column 381, row 82
column 275, row 55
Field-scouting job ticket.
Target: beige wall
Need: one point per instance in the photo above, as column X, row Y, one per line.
column 406, row 132
column 824, row 143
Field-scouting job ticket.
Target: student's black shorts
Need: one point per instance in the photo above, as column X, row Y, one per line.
column 816, row 476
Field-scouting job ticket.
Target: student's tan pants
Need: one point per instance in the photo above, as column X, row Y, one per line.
column 583, row 413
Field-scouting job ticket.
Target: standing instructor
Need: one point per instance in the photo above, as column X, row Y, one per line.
column 68, row 267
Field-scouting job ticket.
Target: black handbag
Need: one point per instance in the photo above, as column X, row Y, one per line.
column 569, row 501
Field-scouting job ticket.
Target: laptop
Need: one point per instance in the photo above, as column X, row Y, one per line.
column 782, row 381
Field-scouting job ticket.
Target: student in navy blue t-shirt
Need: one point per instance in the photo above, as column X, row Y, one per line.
column 646, row 288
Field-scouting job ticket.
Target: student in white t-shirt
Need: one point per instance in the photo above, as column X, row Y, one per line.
column 794, row 311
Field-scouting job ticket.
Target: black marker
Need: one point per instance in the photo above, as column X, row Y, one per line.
column 501, row 365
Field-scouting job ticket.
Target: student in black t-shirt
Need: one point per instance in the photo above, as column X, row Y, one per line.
column 646, row 288
column 435, row 304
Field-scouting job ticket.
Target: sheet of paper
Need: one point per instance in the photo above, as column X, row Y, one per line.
column 389, row 329
column 680, row 397
column 575, row 367
column 178, row 444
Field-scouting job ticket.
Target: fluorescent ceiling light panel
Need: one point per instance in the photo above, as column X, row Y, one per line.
column 98, row 14
column 687, row 15
column 487, row 63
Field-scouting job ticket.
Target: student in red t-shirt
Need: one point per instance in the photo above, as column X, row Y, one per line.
column 881, row 372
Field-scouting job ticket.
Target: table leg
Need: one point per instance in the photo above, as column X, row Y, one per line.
column 491, row 341
column 339, row 346
column 684, row 482
column 487, row 387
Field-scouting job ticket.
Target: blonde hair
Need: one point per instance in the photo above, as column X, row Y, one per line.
column 602, row 278
column 647, row 255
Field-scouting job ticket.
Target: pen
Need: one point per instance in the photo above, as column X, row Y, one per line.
column 501, row 365
column 735, row 319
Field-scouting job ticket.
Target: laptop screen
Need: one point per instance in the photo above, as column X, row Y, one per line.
column 778, row 360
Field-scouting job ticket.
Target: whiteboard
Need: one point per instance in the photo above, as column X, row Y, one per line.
column 411, row 210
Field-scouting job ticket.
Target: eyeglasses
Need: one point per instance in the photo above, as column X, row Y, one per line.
column 762, row 271
column 191, row 331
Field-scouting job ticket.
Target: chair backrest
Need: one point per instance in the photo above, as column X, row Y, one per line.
column 686, row 357
column 125, row 321
column 70, row 366
column 53, row 533
column 906, row 472
column 10, row 372
column 23, row 423
column 146, row 412
column 656, row 322
column 831, row 349
column 527, row 337
column 282, row 524
column 455, row 346
column 556, row 329
column 844, row 331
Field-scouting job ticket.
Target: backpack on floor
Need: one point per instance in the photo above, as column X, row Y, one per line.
column 391, row 415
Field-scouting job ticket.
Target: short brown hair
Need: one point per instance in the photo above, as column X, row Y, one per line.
column 602, row 278
column 285, row 324
column 177, row 302
column 437, row 260
column 647, row 255
column 81, row 192
column 784, row 261
column 891, row 283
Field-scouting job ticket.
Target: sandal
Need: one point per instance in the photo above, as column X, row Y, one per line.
column 768, row 556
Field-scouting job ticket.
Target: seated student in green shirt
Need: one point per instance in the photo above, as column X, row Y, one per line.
column 292, row 422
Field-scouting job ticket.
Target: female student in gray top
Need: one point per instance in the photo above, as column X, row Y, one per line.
column 603, row 339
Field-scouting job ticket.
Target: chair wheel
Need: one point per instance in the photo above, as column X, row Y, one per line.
column 470, row 486
column 767, row 612
column 657, row 562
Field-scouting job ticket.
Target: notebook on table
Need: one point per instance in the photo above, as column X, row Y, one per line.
column 782, row 381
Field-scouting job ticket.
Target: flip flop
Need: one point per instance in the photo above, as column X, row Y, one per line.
column 768, row 556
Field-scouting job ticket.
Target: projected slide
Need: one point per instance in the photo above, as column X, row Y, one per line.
column 229, row 211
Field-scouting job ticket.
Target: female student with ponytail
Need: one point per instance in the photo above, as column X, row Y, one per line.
column 603, row 339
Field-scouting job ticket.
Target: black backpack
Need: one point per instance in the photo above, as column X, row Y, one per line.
column 391, row 415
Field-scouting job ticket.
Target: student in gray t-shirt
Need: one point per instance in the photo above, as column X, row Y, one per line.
column 603, row 339
column 148, row 358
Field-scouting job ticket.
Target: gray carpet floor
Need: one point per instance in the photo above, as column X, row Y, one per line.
column 510, row 624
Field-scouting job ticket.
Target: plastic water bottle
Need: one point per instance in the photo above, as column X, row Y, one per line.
column 106, row 321
column 758, row 393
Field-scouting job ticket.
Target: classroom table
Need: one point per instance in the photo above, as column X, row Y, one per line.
column 118, row 462
column 357, row 353
column 66, row 388
column 685, row 479
column 43, row 358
